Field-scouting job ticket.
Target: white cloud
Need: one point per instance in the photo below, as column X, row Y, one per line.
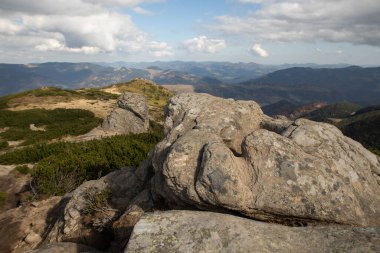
column 339, row 51
column 258, row 50
column 204, row 44
column 160, row 49
column 56, row 45
column 352, row 21
column 252, row 1
column 141, row 11
column 74, row 26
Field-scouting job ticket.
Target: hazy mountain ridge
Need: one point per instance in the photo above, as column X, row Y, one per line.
column 298, row 85
column 306, row 85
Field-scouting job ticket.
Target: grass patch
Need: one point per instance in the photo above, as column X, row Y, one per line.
column 157, row 95
column 96, row 94
column 88, row 93
column 23, row 169
column 57, row 123
column 41, row 92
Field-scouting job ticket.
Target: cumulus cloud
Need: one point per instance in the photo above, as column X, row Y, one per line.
column 204, row 44
column 75, row 26
column 259, row 51
column 141, row 11
column 352, row 21
column 160, row 49
column 252, row 1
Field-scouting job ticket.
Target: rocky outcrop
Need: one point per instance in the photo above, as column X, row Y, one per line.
column 131, row 115
column 189, row 231
column 226, row 155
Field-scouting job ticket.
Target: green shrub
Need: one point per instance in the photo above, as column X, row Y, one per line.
column 57, row 123
column 3, row 198
column 3, row 144
column 66, row 166
column 375, row 151
column 23, row 169
column 96, row 201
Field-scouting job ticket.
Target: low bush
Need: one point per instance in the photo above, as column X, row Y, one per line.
column 64, row 166
column 3, row 144
column 23, row 169
column 57, row 123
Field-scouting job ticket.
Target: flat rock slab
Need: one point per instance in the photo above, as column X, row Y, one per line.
column 193, row 231
column 65, row 247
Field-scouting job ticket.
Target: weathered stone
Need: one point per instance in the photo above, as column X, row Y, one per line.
column 65, row 247
column 216, row 157
column 85, row 221
column 122, row 228
column 189, row 231
column 23, row 228
column 130, row 116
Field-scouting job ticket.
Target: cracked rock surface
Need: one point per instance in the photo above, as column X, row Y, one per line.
column 190, row 231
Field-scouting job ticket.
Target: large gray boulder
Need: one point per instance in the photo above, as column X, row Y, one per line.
column 189, row 231
column 131, row 115
column 226, row 155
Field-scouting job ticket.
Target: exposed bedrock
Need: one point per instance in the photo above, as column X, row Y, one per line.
column 225, row 154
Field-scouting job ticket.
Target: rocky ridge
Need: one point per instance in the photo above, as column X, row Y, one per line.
column 226, row 156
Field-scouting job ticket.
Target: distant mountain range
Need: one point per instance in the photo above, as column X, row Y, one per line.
column 226, row 72
column 301, row 85
column 264, row 83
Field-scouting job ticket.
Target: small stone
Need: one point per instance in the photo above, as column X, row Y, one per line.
column 32, row 238
column 34, row 204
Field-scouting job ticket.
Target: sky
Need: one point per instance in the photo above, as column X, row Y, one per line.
column 262, row 31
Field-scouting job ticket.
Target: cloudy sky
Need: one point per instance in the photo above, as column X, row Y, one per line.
column 263, row 31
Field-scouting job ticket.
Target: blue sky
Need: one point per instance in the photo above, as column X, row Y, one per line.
column 262, row 31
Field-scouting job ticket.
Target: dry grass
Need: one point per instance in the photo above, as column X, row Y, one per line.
column 100, row 108
column 180, row 88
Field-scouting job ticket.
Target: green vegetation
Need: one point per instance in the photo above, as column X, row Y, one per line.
column 375, row 151
column 96, row 201
column 363, row 128
column 157, row 95
column 3, row 198
column 41, row 92
column 338, row 110
column 56, row 123
column 23, row 169
column 63, row 166
column 3, row 144
column 97, row 94
column 59, row 94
